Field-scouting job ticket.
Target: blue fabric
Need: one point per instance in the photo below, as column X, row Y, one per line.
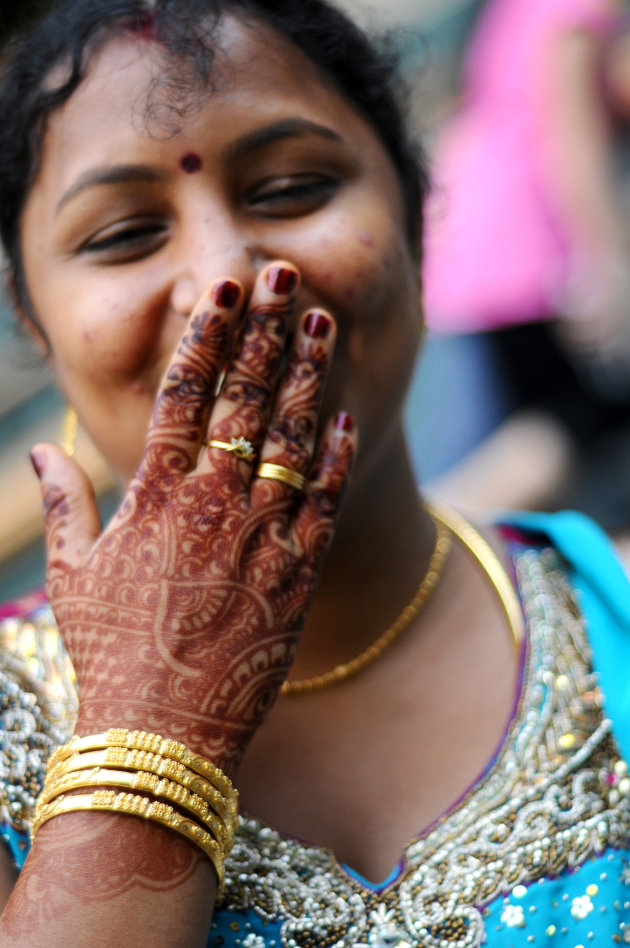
column 603, row 592
column 18, row 843
column 588, row 906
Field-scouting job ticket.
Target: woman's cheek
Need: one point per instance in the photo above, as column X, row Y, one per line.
column 110, row 339
column 351, row 272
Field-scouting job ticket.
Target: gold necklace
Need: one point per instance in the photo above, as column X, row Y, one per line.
column 447, row 522
column 489, row 562
column 388, row 637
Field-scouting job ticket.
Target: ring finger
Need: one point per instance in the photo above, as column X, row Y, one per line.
column 288, row 448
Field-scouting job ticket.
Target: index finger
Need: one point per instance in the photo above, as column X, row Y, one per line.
column 186, row 395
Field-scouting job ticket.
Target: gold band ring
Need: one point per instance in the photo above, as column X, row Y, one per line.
column 241, row 447
column 276, row 472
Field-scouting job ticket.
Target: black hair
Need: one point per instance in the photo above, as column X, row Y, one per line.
column 186, row 30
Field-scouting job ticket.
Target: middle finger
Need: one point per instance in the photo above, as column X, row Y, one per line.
column 242, row 407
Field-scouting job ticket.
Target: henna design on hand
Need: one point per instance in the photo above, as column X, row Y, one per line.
column 184, row 615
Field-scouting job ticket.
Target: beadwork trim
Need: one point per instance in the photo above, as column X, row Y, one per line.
column 555, row 796
column 37, row 709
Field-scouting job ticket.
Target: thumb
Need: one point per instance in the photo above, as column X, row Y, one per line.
column 72, row 521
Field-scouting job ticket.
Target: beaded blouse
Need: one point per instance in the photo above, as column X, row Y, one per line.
column 535, row 853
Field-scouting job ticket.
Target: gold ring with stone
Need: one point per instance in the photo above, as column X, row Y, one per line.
column 276, row 472
column 241, row 447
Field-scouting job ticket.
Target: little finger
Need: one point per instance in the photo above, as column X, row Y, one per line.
column 317, row 515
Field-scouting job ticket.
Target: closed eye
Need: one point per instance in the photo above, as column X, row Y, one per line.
column 127, row 240
column 292, row 196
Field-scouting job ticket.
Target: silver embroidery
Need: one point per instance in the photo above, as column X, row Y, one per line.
column 551, row 800
column 37, row 708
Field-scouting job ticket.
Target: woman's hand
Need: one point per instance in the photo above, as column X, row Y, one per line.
column 183, row 615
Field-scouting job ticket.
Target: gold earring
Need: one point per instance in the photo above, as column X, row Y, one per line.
column 69, row 427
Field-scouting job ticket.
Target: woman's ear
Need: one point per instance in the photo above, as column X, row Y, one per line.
column 25, row 317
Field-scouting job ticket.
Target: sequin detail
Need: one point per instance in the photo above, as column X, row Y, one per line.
column 553, row 799
column 37, row 708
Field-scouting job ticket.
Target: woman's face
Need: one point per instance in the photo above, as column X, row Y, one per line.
column 129, row 221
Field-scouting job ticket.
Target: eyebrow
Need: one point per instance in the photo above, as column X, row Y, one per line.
column 285, row 128
column 111, row 174
column 135, row 174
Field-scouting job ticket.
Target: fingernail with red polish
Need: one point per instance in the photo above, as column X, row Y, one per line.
column 317, row 325
column 281, row 280
column 225, row 294
column 344, row 422
column 38, row 460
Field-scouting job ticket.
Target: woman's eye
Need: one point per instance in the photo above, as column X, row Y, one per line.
column 127, row 240
column 287, row 197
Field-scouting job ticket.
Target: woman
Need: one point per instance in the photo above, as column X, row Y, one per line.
column 216, row 194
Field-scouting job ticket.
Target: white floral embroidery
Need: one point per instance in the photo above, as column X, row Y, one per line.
column 253, row 941
column 581, row 906
column 386, row 933
column 513, row 916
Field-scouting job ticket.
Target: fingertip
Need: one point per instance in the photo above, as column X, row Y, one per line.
column 53, row 465
column 39, row 460
column 71, row 513
column 282, row 277
column 345, row 423
column 226, row 293
column 342, row 437
column 319, row 325
column 337, row 452
column 46, row 455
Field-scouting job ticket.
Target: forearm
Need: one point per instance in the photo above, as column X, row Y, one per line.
column 106, row 880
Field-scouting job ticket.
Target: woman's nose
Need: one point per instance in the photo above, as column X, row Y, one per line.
column 184, row 294
column 206, row 259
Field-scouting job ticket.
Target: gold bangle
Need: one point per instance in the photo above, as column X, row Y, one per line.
column 144, row 781
column 132, row 804
column 121, row 757
column 277, row 472
column 152, row 744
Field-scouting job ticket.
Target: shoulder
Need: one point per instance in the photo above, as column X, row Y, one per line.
column 588, row 551
column 602, row 592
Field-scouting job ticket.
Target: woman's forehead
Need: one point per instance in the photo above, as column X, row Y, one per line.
column 133, row 99
column 132, row 79
column 243, row 55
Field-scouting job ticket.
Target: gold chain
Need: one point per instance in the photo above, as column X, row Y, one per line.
column 489, row 562
column 389, row 636
column 447, row 523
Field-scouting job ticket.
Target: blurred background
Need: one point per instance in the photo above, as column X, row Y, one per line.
column 524, row 392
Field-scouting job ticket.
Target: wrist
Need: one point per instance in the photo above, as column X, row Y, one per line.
column 221, row 747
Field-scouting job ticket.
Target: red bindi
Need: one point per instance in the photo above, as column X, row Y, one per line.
column 191, row 163
column 145, row 26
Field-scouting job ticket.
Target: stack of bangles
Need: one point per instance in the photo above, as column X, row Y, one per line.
column 202, row 804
